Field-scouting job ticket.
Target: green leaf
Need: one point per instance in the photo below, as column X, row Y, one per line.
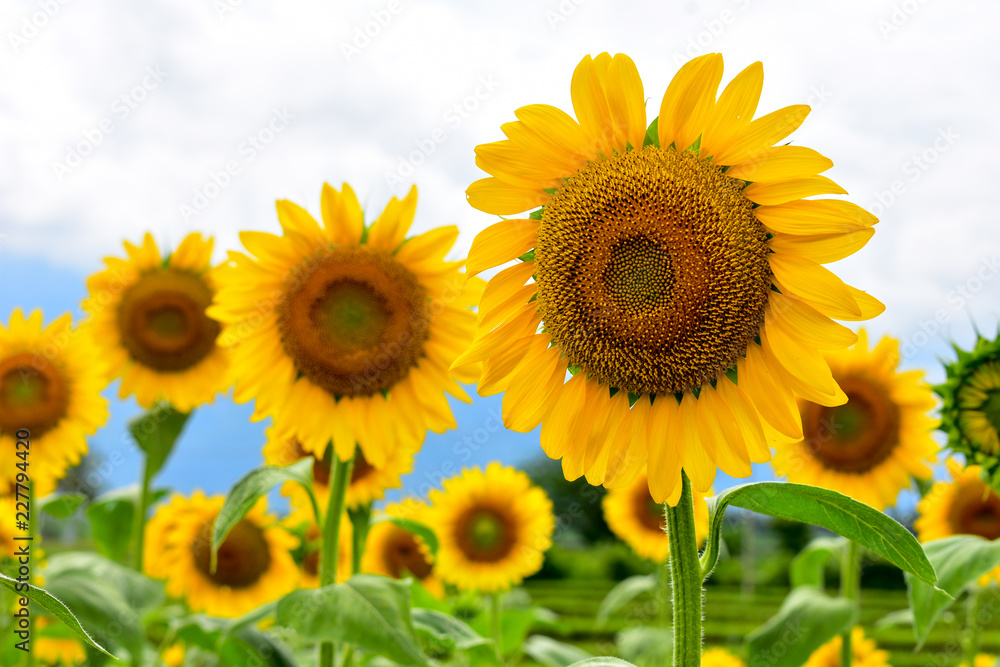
column 517, row 623
column 200, row 630
column 102, row 609
column 110, row 518
column 156, row 432
column 603, row 662
column 249, row 489
column 49, row 602
column 834, row 511
column 652, row 137
column 807, row 567
column 421, row 530
column 894, row 618
column 645, row 646
column 443, row 631
column 623, row 593
column 807, row 619
column 253, row 647
column 61, row 505
column 552, row 653
column 368, row 611
column 959, row 560
column 139, row 591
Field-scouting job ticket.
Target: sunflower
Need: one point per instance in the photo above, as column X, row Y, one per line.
column 345, row 332
column 311, row 552
column 254, row 565
column 866, row 653
column 663, row 266
column 368, row 483
column 148, row 313
column 869, row 447
column 52, row 652
column 720, row 657
column 394, row 552
column 636, row 518
column 964, row 506
column 174, row 655
column 8, row 531
column 51, row 380
column 981, row 660
column 493, row 528
column 970, row 413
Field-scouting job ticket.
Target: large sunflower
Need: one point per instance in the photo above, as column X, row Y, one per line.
column 866, row 653
column 367, row 484
column 636, row 518
column 869, row 447
column 964, row 506
column 51, row 380
column 345, row 332
column 663, row 267
column 493, row 528
column 394, row 552
column 254, row 563
column 148, row 314
column 970, row 414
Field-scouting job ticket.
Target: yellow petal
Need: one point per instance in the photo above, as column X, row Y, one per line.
column 781, row 192
column 698, row 455
column 390, row 230
column 512, row 164
column 718, row 426
column 504, row 293
column 500, row 243
column 664, row 451
column 494, row 342
column 815, row 216
column 494, row 196
column 747, row 419
column 762, row 134
column 627, row 102
column 627, row 461
column 559, row 131
column 558, row 427
column 805, row 278
column 432, row 245
column 731, row 115
column 808, row 325
column 688, row 101
column 341, row 214
column 822, row 248
column 615, row 436
column 780, row 163
column 803, row 364
column 761, row 383
column 295, row 219
column 591, row 106
column 533, row 391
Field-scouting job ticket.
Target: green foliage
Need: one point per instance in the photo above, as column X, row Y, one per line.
column 53, row 605
column 156, row 431
column 111, row 523
column 808, row 618
column 552, row 653
column 624, row 593
column 61, row 505
column 646, row 646
column 442, row 635
column 423, row 531
column 807, row 567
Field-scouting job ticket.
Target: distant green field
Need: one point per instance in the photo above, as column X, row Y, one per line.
column 730, row 616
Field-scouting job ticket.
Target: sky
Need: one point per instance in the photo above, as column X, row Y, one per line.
column 196, row 115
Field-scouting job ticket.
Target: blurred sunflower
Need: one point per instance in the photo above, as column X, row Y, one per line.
column 148, row 315
column 311, row 552
column 52, row 652
column 720, row 657
column 665, row 265
column 965, row 506
column 368, row 483
column 869, row 447
column 493, row 528
column 51, row 378
column 981, row 660
column 970, row 413
column 636, row 518
column 344, row 332
column 255, row 565
column 7, row 528
column 174, row 655
column 866, row 653
column 394, row 552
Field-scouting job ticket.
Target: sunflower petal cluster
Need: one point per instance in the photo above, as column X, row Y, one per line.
column 866, row 653
column 665, row 302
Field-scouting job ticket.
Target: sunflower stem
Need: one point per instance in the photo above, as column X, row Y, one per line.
column 496, row 620
column 663, row 595
column 360, row 521
column 850, row 589
column 340, row 476
column 139, row 528
column 685, row 574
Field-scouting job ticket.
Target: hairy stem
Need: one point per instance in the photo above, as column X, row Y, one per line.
column 686, row 575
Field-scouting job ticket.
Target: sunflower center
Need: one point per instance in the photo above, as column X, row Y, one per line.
column 486, row 534
column 34, row 395
column 652, row 271
column 976, row 511
column 354, row 323
column 857, row 436
column 243, row 557
column 162, row 320
column 403, row 556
